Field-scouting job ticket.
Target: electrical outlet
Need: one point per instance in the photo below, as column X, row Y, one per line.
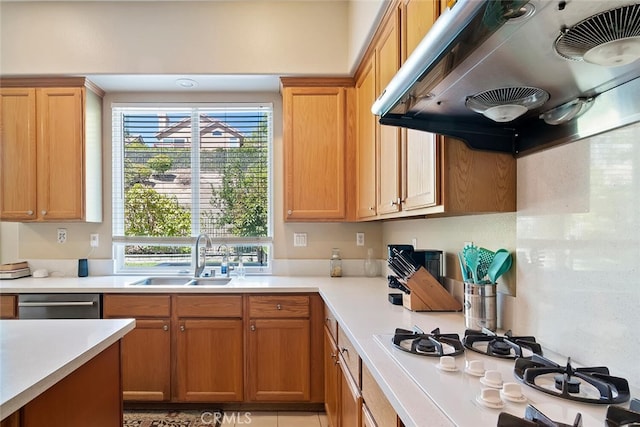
column 62, row 235
column 299, row 239
column 359, row 239
column 94, row 240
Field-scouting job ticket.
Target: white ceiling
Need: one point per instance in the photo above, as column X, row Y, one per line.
column 168, row 83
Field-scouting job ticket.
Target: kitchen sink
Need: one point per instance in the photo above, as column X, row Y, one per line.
column 181, row 281
column 209, row 281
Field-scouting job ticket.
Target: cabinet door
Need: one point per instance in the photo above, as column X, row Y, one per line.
column 60, row 153
column 388, row 62
column 146, row 361
column 8, row 307
column 18, row 154
column 314, row 152
column 421, row 172
column 210, row 360
column 350, row 400
column 418, row 17
column 331, row 379
column 366, row 143
column 279, row 360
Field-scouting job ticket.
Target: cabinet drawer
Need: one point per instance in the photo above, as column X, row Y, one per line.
column 208, row 306
column 136, row 306
column 274, row 306
column 331, row 323
column 382, row 411
column 8, row 307
column 349, row 355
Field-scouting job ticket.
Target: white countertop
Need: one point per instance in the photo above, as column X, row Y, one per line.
column 362, row 309
column 360, row 305
column 36, row 354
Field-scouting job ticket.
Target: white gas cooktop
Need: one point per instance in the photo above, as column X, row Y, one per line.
column 457, row 392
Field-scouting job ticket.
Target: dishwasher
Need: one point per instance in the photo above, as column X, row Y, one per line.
column 59, row 306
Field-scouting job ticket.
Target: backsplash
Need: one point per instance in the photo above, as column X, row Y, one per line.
column 578, row 246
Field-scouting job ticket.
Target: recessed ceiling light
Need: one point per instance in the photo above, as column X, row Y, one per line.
column 187, row 83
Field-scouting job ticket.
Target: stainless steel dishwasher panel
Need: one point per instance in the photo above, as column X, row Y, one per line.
column 59, row 306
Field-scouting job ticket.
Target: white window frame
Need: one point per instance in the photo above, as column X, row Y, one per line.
column 119, row 241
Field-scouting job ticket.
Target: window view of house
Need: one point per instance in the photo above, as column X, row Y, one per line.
column 183, row 171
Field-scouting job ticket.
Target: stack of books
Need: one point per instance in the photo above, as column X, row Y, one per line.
column 15, row 270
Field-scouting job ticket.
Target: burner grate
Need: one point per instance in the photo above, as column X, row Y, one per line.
column 534, row 418
column 610, row 389
column 434, row 344
column 506, row 347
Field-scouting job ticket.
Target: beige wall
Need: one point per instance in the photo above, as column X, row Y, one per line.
column 363, row 17
column 175, row 37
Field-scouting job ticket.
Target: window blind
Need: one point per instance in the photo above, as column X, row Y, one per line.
column 182, row 170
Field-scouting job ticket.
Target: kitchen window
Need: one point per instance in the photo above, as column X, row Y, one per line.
column 184, row 169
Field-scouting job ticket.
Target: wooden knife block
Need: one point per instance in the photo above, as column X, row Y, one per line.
column 427, row 294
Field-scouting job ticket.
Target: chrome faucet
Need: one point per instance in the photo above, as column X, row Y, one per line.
column 207, row 245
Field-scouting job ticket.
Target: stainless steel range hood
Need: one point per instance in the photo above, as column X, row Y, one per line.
column 490, row 47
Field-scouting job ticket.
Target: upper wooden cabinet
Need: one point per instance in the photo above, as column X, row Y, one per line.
column 421, row 173
column 387, row 55
column 317, row 148
column 366, row 143
column 50, row 150
column 417, row 18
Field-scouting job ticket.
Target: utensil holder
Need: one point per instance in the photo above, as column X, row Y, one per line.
column 480, row 306
column 427, row 294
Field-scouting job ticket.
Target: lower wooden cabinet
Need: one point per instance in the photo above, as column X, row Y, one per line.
column 350, row 399
column 146, row 351
column 8, row 307
column 146, row 361
column 210, row 363
column 195, row 348
column 331, row 378
column 89, row 396
column 284, row 342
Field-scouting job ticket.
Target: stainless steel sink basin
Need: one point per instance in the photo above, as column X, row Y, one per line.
column 181, row 281
column 209, row 281
column 162, row 281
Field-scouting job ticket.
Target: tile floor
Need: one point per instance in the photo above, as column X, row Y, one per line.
column 276, row 419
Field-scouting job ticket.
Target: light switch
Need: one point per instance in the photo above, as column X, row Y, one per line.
column 299, row 239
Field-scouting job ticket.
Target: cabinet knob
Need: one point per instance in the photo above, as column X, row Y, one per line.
column 43, row 212
column 289, row 212
column 165, row 327
column 253, row 327
column 29, row 213
column 333, row 355
column 371, row 208
column 278, row 307
column 181, row 328
column 344, row 350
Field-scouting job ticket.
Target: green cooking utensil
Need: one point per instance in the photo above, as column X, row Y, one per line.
column 472, row 257
column 485, row 259
column 463, row 268
column 501, row 264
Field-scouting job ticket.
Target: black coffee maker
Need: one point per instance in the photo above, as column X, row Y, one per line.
column 430, row 259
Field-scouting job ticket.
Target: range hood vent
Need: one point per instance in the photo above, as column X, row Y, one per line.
column 539, row 72
column 610, row 38
column 508, row 103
